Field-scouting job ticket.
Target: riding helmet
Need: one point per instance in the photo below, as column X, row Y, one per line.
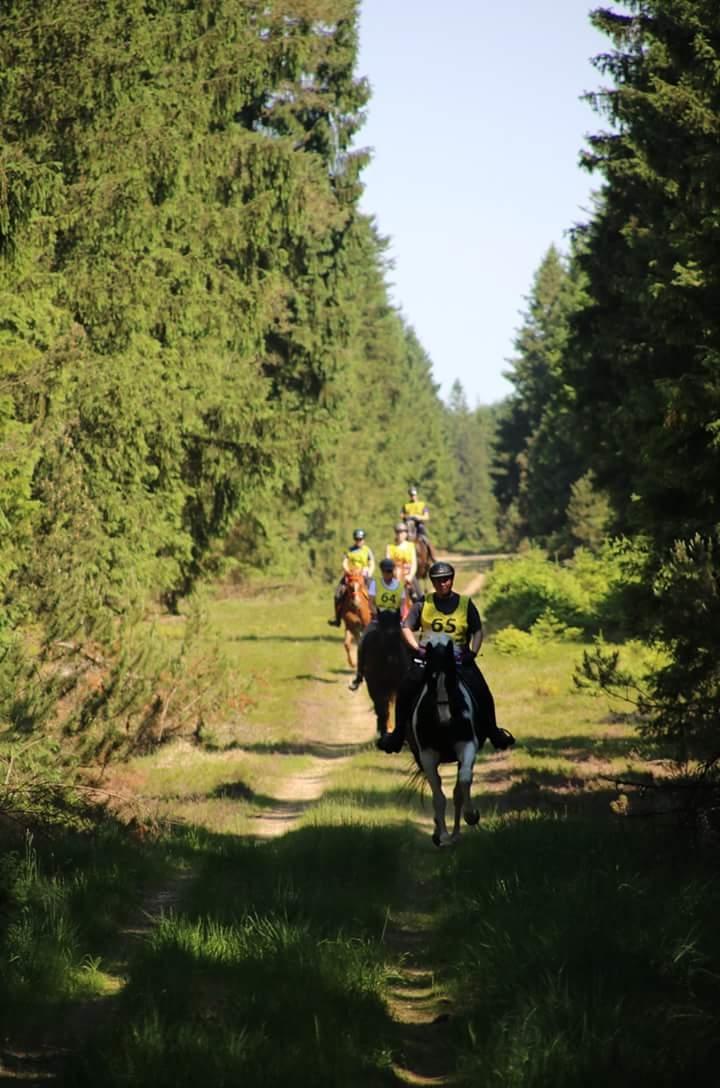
column 412, row 491
column 387, row 564
column 441, row 570
column 359, row 534
column 401, row 527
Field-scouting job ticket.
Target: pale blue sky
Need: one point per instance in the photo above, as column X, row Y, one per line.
column 476, row 124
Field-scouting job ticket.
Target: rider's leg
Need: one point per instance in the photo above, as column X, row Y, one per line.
column 478, row 685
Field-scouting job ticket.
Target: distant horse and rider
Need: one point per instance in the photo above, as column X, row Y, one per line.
column 386, row 661
column 416, row 514
column 383, row 654
column 354, row 613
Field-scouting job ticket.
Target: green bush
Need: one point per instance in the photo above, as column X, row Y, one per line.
column 511, row 640
column 519, row 591
column 588, row 593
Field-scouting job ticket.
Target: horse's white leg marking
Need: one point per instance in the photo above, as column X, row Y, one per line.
column 430, row 761
column 466, row 751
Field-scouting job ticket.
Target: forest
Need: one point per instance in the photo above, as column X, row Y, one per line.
column 203, row 381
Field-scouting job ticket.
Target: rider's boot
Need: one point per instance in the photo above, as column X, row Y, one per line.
column 501, row 739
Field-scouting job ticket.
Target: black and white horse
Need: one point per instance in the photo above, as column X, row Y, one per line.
column 445, row 728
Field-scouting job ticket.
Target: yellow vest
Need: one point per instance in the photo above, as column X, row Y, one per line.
column 358, row 557
column 402, row 553
column 415, row 509
column 437, row 627
column 386, row 599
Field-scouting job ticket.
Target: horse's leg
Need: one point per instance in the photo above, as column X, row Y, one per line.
column 382, row 714
column 466, row 751
column 349, row 642
column 430, row 761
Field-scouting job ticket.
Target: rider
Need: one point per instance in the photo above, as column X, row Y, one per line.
column 404, row 557
column 386, row 600
column 358, row 557
column 417, row 510
column 443, row 615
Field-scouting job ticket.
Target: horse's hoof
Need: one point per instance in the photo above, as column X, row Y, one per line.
column 442, row 840
column 472, row 817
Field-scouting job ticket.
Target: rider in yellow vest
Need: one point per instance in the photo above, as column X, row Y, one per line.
column 358, row 557
column 442, row 615
column 387, row 596
column 416, row 509
column 404, row 558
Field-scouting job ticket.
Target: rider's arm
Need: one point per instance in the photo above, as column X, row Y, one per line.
column 413, row 564
column 476, row 630
column 346, row 564
column 426, row 514
column 371, row 563
column 410, row 624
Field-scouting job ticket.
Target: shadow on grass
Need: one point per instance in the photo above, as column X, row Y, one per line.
column 284, row 638
column 310, row 676
column 572, row 965
column 576, row 748
column 275, row 964
column 317, row 749
column 578, row 954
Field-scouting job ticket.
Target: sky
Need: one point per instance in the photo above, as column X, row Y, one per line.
column 476, row 124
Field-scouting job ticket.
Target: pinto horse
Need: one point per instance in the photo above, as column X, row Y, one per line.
column 444, row 728
column 386, row 660
column 354, row 612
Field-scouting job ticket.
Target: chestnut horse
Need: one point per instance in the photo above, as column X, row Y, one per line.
column 354, row 612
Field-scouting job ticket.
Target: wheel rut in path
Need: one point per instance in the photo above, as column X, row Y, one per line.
column 418, row 1007
column 416, row 1001
column 350, row 722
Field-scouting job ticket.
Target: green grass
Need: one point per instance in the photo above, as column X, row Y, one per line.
column 579, row 948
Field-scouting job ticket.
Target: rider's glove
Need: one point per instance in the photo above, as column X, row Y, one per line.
column 419, row 653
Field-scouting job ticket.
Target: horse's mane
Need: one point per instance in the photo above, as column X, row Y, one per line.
column 440, row 660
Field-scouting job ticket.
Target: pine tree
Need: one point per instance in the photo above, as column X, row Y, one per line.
column 538, row 456
column 647, row 367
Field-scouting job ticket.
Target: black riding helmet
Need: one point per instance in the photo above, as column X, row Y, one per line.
column 387, row 564
column 359, row 534
column 441, row 570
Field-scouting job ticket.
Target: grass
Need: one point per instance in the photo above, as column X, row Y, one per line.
column 578, row 948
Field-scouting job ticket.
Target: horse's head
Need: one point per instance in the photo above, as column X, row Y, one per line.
column 388, row 620
column 440, row 660
column 355, row 583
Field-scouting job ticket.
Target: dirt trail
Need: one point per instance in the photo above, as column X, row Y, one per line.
column 353, row 728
